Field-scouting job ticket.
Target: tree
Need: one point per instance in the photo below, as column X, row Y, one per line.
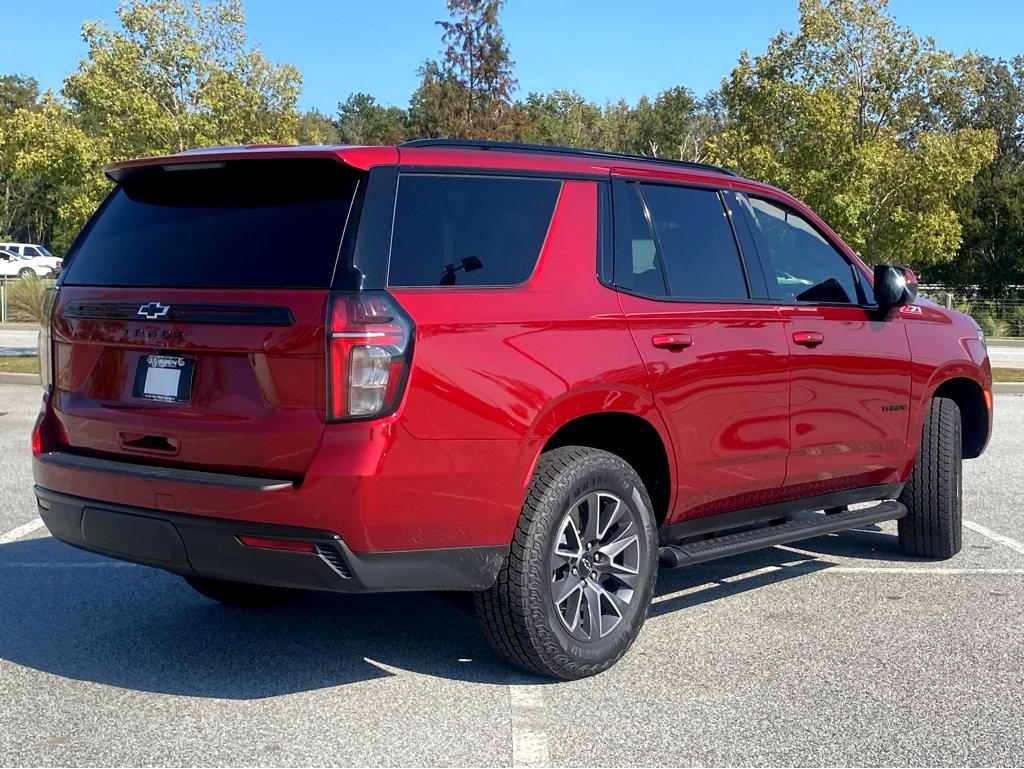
column 314, row 127
column 362, row 121
column 17, row 92
column 852, row 114
column 53, row 167
column 562, row 117
column 469, row 93
column 180, row 74
column 991, row 210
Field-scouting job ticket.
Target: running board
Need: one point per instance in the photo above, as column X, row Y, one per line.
column 674, row 556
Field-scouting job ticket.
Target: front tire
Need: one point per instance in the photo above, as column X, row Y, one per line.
column 26, row 272
column 576, row 585
column 933, row 525
column 241, row 594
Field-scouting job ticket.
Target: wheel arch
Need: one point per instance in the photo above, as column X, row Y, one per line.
column 629, row 436
column 974, row 403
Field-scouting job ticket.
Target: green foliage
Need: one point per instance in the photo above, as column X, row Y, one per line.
column 851, row 114
column 180, row 74
column 50, row 168
column 362, row 121
column 468, row 93
column 992, row 209
column 17, row 92
column 913, row 155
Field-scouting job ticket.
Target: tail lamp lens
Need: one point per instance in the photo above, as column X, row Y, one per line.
column 45, row 341
column 369, row 349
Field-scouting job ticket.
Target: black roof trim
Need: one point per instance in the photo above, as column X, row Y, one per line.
column 555, row 149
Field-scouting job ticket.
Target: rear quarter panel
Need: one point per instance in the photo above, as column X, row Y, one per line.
column 496, row 371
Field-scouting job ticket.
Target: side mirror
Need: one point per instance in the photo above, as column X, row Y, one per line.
column 894, row 286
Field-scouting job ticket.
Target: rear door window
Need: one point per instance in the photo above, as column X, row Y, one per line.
column 243, row 224
column 469, row 230
column 802, row 265
column 696, row 242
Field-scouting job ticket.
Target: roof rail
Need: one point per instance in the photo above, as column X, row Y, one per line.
column 554, row 149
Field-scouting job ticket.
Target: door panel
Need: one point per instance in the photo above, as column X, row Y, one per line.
column 850, row 398
column 724, row 395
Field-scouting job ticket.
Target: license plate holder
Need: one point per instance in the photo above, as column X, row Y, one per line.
column 166, row 378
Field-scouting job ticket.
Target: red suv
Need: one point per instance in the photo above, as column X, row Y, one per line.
column 529, row 372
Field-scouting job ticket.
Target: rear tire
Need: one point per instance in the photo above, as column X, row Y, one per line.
column 26, row 272
column 241, row 594
column 576, row 585
column 933, row 525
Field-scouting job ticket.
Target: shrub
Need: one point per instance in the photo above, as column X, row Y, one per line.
column 25, row 298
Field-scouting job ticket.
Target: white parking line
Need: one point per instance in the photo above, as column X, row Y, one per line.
column 21, row 531
column 529, row 737
column 995, row 536
column 824, row 568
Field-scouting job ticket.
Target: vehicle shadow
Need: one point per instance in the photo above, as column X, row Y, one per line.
column 78, row 615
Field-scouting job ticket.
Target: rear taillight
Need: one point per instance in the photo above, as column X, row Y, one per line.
column 369, row 348
column 45, row 337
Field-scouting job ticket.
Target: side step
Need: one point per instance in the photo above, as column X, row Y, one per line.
column 674, row 556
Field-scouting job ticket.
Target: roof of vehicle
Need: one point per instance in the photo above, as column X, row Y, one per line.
column 464, row 153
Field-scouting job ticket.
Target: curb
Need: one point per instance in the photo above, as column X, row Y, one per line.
column 20, row 379
column 995, row 341
column 1008, row 388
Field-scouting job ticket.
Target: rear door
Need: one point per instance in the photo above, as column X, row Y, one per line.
column 850, row 368
column 711, row 340
column 189, row 326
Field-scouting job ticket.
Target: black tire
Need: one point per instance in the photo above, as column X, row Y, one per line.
column 933, row 525
column 519, row 613
column 26, row 272
column 241, row 594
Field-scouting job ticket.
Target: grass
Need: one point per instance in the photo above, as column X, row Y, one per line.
column 22, row 364
column 1008, row 374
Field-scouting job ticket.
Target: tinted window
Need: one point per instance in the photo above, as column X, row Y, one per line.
column 804, row 266
column 469, row 230
column 31, row 251
column 257, row 224
column 697, row 244
column 637, row 264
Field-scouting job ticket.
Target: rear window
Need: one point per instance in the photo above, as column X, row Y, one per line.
column 469, row 230
column 251, row 224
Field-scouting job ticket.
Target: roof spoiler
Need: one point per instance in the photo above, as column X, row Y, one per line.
column 361, row 158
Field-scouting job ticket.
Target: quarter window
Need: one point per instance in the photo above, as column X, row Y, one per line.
column 469, row 230
column 803, row 265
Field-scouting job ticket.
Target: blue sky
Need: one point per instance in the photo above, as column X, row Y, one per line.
column 603, row 49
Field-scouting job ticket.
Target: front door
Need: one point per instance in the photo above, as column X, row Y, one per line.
column 851, row 369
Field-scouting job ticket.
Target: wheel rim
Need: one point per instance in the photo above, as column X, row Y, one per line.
column 596, row 565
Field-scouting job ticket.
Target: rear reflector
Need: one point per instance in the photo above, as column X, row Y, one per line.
column 294, row 545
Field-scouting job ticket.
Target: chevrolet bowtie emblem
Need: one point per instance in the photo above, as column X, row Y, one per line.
column 154, row 310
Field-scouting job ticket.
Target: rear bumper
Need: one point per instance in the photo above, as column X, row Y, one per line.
column 209, row 547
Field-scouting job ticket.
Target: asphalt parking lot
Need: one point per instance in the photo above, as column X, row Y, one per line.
column 836, row 650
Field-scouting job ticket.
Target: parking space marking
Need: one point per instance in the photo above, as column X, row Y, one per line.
column 995, row 536
column 529, row 737
column 820, row 568
column 21, row 531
